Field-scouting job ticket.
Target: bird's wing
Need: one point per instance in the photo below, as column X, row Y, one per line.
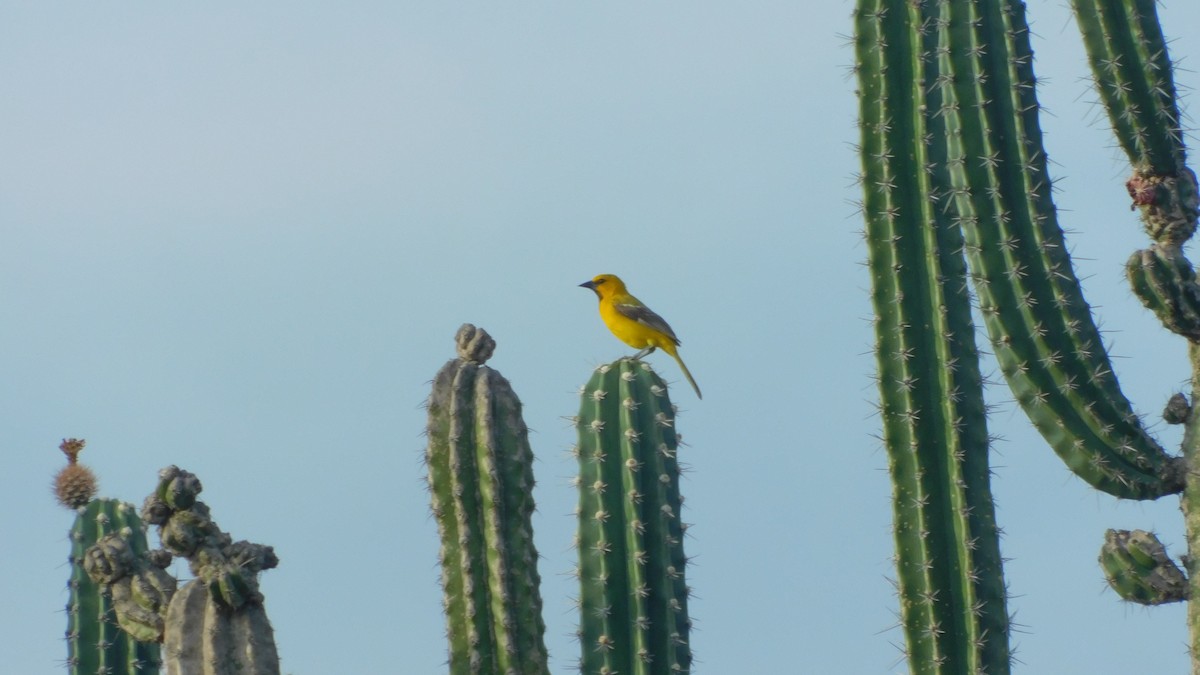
column 643, row 315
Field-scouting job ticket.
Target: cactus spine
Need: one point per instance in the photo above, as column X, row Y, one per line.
column 950, row 575
column 633, row 595
column 95, row 641
column 481, row 482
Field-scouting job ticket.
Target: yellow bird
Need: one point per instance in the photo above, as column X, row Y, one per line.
column 633, row 323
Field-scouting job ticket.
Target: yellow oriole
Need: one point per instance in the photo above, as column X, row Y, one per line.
column 633, row 323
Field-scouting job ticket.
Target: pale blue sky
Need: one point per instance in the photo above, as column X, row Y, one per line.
column 240, row 239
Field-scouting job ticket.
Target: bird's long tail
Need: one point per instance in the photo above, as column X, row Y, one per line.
column 687, row 374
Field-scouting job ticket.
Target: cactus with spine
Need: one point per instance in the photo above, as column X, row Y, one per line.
column 633, row 593
column 953, row 167
column 481, row 485
column 97, row 634
column 215, row 624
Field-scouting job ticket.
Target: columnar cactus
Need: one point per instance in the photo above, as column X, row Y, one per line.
column 633, row 595
column 481, row 483
column 950, row 575
column 951, row 141
column 96, row 642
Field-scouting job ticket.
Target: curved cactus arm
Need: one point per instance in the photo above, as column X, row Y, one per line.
column 1133, row 76
column 633, row 594
column 950, row 574
column 481, row 483
column 1132, row 71
column 1042, row 330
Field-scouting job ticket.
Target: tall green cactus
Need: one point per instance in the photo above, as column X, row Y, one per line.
column 95, row 641
column 633, row 595
column 951, row 140
column 950, row 575
column 481, row 482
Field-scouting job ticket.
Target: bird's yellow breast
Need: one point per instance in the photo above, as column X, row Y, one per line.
column 632, row 333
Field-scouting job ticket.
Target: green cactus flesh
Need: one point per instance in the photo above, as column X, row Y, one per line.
column 1132, row 70
column 1165, row 282
column 95, row 641
column 950, row 574
column 481, row 482
column 1138, row 568
column 1133, row 75
column 633, row 595
column 1042, row 329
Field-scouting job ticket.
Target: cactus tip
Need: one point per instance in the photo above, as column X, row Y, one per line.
column 474, row 344
column 75, row 484
column 71, row 447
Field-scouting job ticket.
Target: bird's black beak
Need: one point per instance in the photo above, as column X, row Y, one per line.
column 588, row 284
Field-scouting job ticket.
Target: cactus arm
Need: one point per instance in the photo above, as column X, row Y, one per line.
column 633, row 592
column 1138, row 568
column 1044, row 337
column 1128, row 55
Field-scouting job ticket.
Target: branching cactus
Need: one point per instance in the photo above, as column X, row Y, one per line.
column 481, row 483
column 951, row 141
column 633, row 595
column 96, row 642
column 215, row 624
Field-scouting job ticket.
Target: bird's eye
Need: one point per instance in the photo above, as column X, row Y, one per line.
column 600, row 281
